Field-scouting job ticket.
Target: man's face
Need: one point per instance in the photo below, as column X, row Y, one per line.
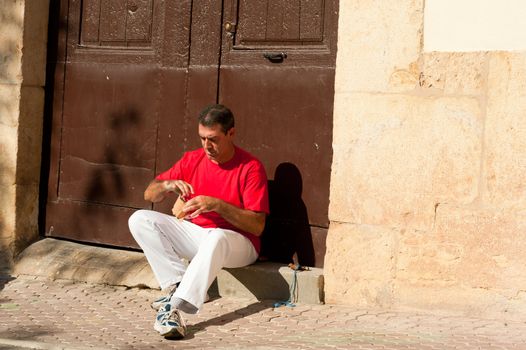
column 218, row 146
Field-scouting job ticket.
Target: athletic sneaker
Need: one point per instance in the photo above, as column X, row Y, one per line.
column 157, row 304
column 169, row 323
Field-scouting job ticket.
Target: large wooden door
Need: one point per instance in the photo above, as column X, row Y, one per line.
column 277, row 74
column 119, row 99
column 130, row 78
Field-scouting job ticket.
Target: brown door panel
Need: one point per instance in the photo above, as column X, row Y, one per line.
column 284, row 118
column 175, row 128
column 173, row 124
column 115, row 97
column 293, row 21
column 90, row 222
column 277, row 74
column 123, row 94
column 109, row 133
column 104, row 183
column 304, row 30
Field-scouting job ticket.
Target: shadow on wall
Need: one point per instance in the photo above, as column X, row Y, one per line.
column 11, row 27
column 5, row 254
column 106, row 182
column 108, row 164
column 287, row 231
column 55, row 25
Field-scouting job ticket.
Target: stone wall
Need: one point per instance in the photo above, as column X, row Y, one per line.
column 428, row 193
column 23, row 37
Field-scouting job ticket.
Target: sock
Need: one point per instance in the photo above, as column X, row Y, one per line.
column 184, row 306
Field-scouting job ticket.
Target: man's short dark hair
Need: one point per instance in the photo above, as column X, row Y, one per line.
column 217, row 114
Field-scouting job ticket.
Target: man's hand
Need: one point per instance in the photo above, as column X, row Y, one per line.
column 244, row 219
column 180, row 187
column 201, row 204
column 157, row 190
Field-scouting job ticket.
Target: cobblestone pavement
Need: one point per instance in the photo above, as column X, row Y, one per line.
column 42, row 314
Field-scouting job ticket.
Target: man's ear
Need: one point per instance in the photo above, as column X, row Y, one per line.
column 231, row 132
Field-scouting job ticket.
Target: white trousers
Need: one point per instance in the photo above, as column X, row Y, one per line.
column 165, row 241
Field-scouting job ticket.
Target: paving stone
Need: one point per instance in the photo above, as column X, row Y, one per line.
column 80, row 315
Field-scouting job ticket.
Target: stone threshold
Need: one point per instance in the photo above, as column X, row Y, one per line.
column 60, row 259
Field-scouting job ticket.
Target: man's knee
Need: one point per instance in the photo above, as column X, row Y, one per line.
column 138, row 219
column 217, row 239
column 135, row 218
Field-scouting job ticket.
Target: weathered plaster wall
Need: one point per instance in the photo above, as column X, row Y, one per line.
column 23, row 36
column 428, row 197
column 475, row 25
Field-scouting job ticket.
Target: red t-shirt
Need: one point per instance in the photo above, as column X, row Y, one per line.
column 241, row 181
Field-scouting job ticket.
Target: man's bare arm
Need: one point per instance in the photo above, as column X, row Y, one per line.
column 157, row 190
column 245, row 220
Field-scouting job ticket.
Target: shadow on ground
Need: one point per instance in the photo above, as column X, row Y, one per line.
column 225, row 319
column 4, row 279
column 5, row 268
column 30, row 332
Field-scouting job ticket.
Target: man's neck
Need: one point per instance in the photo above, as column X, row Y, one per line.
column 228, row 156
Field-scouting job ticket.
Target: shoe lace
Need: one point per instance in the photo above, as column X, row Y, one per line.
column 176, row 316
column 172, row 315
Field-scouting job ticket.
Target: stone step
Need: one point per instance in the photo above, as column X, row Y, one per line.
column 59, row 259
column 269, row 280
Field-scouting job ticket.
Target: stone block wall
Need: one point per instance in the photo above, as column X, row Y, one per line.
column 23, row 38
column 428, row 192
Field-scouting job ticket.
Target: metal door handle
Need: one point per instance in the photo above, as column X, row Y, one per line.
column 230, row 29
column 275, row 57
